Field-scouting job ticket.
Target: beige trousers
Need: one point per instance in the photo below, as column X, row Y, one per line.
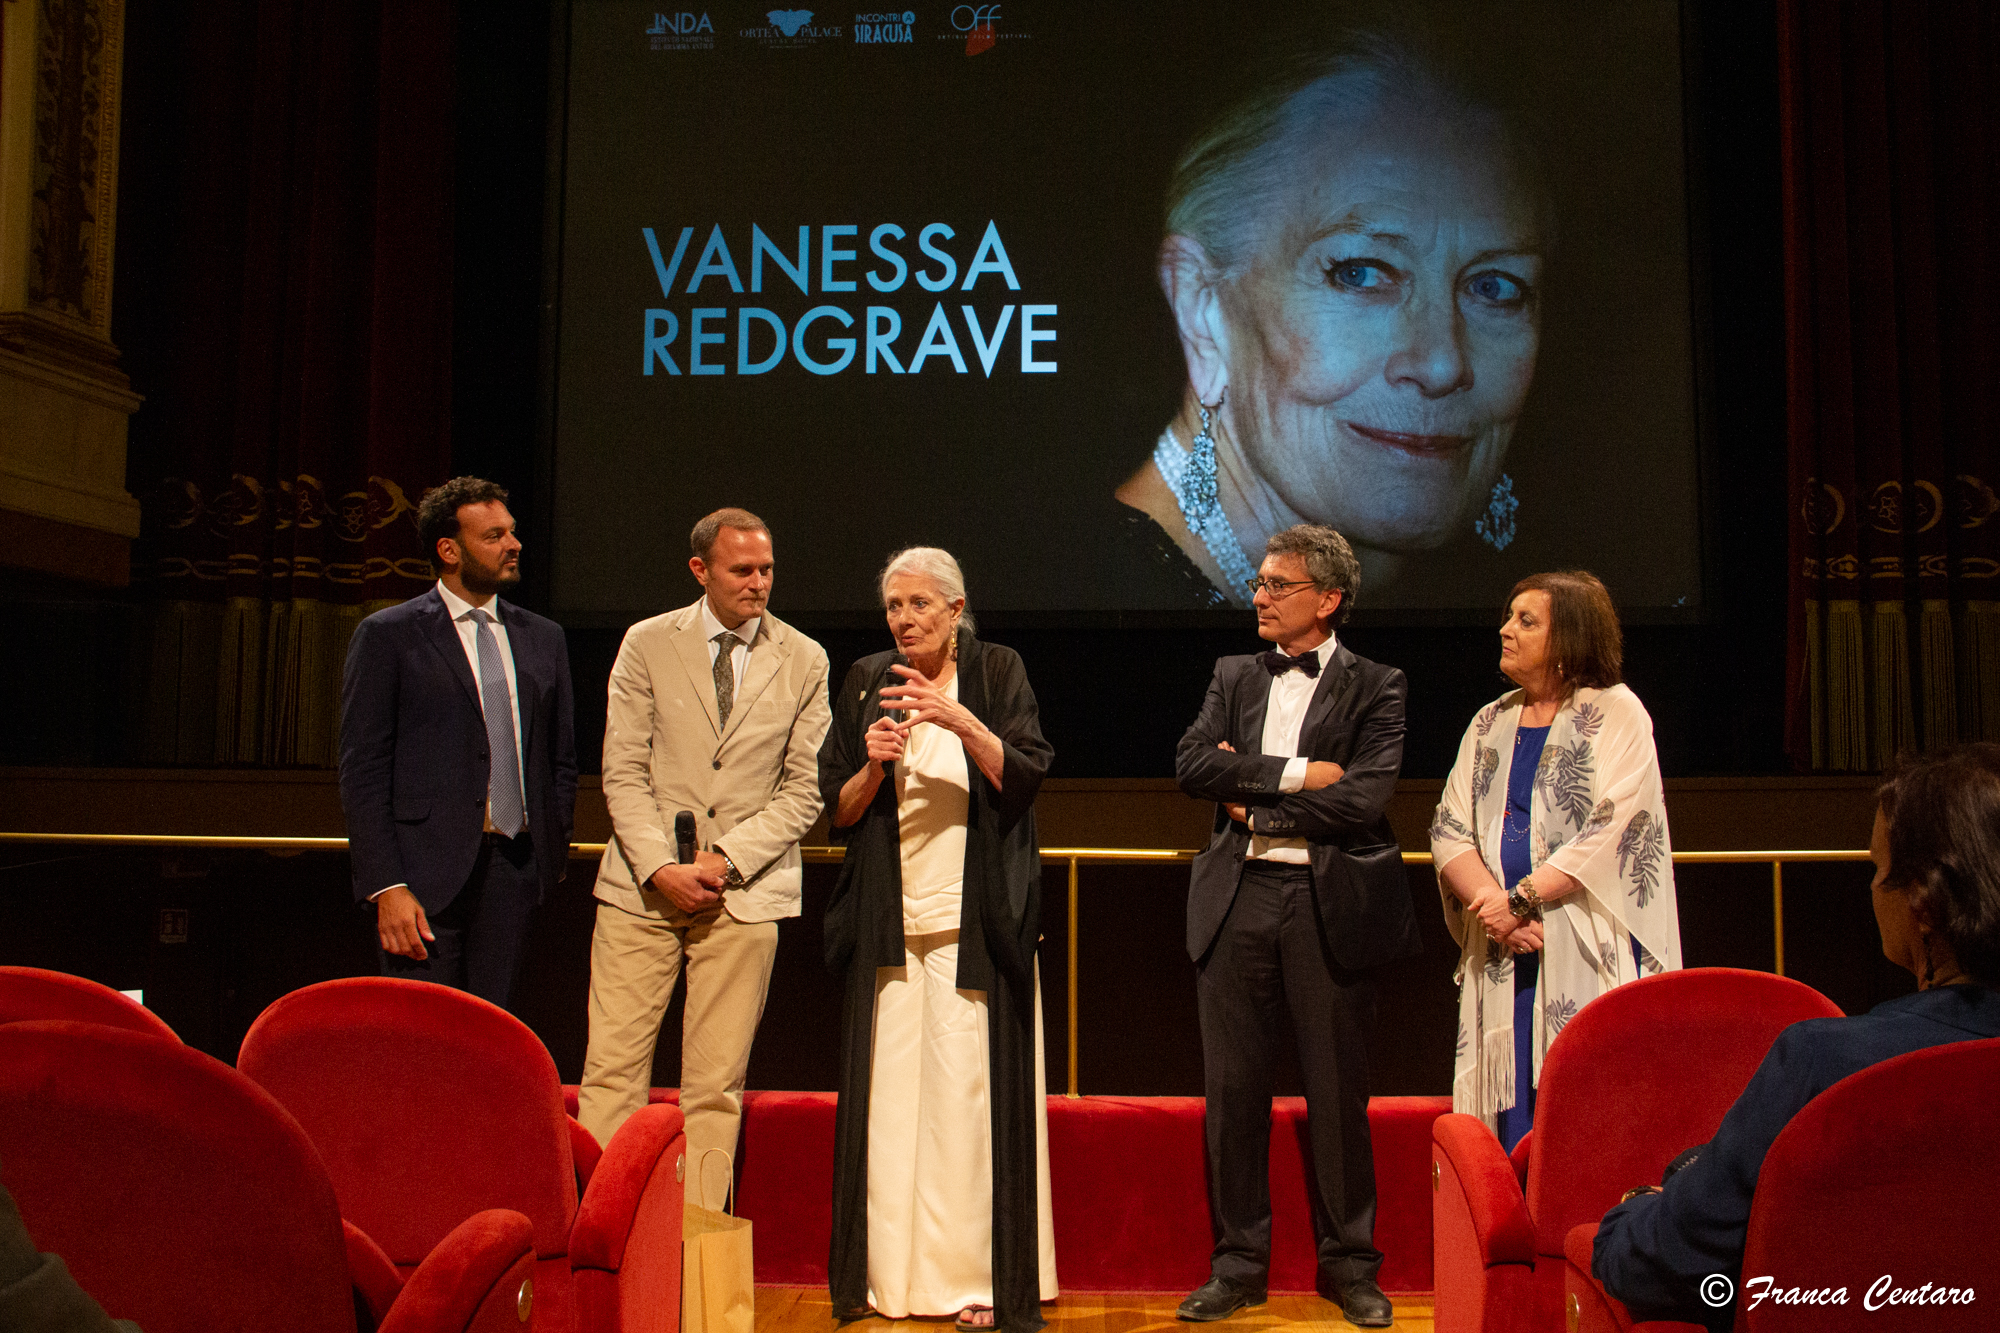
column 634, row 962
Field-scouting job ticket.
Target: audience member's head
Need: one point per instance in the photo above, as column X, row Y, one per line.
column 1937, row 866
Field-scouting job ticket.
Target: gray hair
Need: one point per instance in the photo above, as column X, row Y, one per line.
column 1227, row 178
column 702, row 539
column 932, row 563
column 1330, row 561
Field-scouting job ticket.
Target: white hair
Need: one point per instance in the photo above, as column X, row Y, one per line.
column 931, row 563
column 1224, row 183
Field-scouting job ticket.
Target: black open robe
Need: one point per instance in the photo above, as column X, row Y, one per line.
column 999, row 925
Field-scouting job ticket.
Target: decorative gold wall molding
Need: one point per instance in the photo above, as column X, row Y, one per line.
column 64, row 402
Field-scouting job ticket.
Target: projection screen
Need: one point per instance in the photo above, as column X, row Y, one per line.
column 971, row 276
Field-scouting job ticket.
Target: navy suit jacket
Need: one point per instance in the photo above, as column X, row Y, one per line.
column 1653, row 1251
column 1355, row 719
column 414, row 767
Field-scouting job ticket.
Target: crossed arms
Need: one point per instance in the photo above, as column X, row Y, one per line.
column 1351, row 797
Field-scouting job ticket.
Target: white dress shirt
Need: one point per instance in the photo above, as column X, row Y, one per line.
column 1284, row 717
column 739, row 652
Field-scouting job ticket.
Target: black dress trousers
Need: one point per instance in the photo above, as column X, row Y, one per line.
column 1270, row 956
column 481, row 933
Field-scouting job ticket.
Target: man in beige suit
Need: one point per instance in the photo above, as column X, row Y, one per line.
column 718, row 709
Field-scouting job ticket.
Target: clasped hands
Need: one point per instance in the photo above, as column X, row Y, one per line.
column 1319, row 773
column 695, row 887
column 1520, row 934
column 919, row 701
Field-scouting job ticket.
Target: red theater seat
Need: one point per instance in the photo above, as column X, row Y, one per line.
column 1890, row 1173
column 430, row 1105
column 32, row 993
column 1588, row 1307
column 1643, row 1072
column 180, row 1195
column 1131, row 1192
column 1131, row 1197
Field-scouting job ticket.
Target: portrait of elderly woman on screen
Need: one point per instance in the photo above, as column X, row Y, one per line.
column 1352, row 260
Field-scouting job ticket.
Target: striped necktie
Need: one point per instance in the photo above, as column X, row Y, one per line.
column 505, row 803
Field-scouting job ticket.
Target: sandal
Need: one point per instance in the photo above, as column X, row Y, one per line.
column 969, row 1322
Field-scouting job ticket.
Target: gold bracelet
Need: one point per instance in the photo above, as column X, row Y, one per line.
column 1636, row 1191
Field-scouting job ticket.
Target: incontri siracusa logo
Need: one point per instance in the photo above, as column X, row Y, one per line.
column 886, row 28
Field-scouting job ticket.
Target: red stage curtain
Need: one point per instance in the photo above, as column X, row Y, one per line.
column 300, row 235
column 1893, row 314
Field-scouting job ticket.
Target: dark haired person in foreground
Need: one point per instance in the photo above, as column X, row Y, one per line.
column 458, row 755
column 941, row 1147
column 716, row 709
column 1556, row 795
column 1936, row 849
column 1298, row 896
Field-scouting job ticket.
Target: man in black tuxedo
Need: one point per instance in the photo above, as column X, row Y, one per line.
column 1298, row 895
column 458, row 755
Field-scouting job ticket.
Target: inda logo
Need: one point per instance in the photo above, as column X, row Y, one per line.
column 684, row 31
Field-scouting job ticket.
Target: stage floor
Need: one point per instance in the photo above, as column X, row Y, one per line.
column 808, row 1310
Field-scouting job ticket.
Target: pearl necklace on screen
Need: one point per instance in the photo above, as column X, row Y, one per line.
column 1202, row 509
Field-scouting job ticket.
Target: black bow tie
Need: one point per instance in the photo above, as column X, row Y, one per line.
column 1278, row 664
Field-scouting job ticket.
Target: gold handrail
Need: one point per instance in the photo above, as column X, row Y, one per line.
column 1073, row 856
column 578, row 850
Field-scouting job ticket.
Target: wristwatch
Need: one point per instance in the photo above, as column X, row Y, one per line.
column 732, row 878
column 1524, row 902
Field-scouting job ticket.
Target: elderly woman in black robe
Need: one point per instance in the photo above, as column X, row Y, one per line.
column 941, row 1179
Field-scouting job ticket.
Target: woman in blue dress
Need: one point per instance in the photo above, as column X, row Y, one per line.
column 1551, row 846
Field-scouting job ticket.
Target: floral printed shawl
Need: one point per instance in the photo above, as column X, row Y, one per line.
column 1597, row 814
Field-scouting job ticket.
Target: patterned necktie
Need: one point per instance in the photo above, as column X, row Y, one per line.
column 725, row 673
column 503, row 788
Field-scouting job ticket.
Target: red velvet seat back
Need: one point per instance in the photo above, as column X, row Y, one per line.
column 427, row 1104
column 1644, row 1071
column 32, row 993
column 179, row 1194
column 1892, row 1171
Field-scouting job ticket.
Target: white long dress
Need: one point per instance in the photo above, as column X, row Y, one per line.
column 930, row 1143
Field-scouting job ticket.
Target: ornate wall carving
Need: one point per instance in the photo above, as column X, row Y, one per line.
column 63, row 400
column 75, row 160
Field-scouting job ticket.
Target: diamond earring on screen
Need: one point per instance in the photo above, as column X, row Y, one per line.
column 1197, row 492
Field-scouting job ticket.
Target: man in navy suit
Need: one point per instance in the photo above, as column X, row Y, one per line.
column 458, row 755
column 1299, row 894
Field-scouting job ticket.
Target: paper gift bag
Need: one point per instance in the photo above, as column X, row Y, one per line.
column 718, row 1279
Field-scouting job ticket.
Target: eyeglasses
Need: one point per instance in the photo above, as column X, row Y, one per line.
column 1276, row 587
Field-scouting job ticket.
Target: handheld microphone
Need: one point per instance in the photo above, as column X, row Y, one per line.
column 684, row 836
column 894, row 714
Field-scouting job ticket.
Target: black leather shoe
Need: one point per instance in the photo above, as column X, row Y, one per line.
column 1221, row 1297
column 1364, row 1304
